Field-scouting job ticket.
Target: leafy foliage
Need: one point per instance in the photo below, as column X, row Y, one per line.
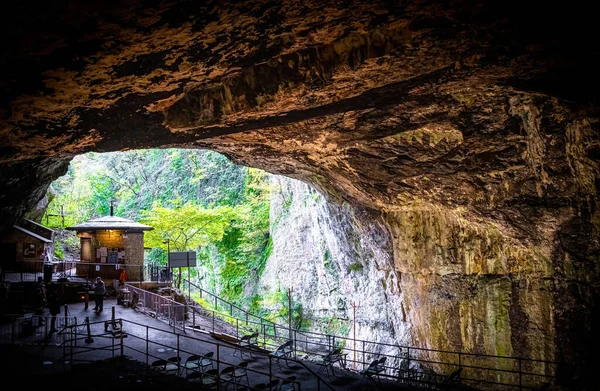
column 195, row 199
column 247, row 244
column 136, row 180
column 186, row 226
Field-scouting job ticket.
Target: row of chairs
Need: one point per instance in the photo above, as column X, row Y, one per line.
column 249, row 342
column 236, row 376
column 201, row 369
column 173, row 365
column 232, row 375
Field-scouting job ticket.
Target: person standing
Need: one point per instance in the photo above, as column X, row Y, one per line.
column 54, row 308
column 40, row 300
column 122, row 277
column 99, row 289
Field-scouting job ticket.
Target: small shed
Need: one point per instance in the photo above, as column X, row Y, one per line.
column 111, row 243
column 27, row 247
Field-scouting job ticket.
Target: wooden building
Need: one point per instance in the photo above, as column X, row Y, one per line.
column 109, row 244
column 26, row 248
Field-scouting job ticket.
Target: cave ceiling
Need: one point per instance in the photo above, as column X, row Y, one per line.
column 482, row 107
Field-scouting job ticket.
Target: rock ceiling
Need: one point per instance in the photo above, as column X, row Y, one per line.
column 490, row 110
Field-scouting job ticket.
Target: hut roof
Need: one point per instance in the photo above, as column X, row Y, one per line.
column 110, row 222
column 32, row 234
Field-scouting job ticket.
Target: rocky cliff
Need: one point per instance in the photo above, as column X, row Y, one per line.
column 422, row 277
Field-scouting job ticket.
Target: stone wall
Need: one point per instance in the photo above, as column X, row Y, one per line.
column 132, row 244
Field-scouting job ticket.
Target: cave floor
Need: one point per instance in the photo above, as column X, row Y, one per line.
column 40, row 364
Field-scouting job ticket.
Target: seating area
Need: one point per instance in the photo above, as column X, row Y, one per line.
column 331, row 358
column 189, row 357
column 374, row 370
column 233, row 377
column 196, row 365
column 246, row 344
column 283, row 352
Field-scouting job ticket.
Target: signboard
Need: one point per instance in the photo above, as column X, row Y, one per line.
column 112, row 257
column 181, row 259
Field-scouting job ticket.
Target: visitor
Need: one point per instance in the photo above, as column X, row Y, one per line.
column 40, row 300
column 54, row 308
column 122, row 276
column 99, row 289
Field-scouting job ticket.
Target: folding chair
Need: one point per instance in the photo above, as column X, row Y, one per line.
column 246, row 343
column 173, row 365
column 192, row 363
column 210, row 379
column 159, row 365
column 226, row 377
column 288, row 384
column 331, row 358
column 375, row 368
column 241, row 372
column 207, row 361
column 284, row 352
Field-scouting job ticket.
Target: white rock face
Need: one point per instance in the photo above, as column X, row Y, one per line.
column 410, row 283
column 333, row 257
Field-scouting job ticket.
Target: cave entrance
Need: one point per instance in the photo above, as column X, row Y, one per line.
column 195, row 200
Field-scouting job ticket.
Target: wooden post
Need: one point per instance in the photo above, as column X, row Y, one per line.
column 354, row 305
column 89, row 338
column 290, row 290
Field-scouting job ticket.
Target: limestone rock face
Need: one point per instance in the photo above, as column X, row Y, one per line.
column 422, row 278
column 470, row 128
column 333, row 256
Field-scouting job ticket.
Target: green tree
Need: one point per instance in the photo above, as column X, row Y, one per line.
column 186, row 227
column 247, row 244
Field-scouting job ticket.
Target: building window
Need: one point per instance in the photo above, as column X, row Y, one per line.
column 29, row 250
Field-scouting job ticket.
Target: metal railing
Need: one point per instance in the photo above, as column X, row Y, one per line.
column 29, row 270
column 406, row 364
column 93, row 341
column 161, row 306
column 156, row 273
column 34, row 329
column 221, row 306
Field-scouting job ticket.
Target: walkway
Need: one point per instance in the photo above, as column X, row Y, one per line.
column 148, row 339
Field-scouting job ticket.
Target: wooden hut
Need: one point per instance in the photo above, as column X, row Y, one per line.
column 27, row 247
column 110, row 244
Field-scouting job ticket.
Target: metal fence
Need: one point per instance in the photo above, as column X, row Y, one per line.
column 159, row 306
column 85, row 342
column 31, row 270
column 34, row 329
column 410, row 364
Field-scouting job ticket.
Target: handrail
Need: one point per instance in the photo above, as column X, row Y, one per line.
column 73, row 348
column 161, row 305
column 229, row 304
column 405, row 351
